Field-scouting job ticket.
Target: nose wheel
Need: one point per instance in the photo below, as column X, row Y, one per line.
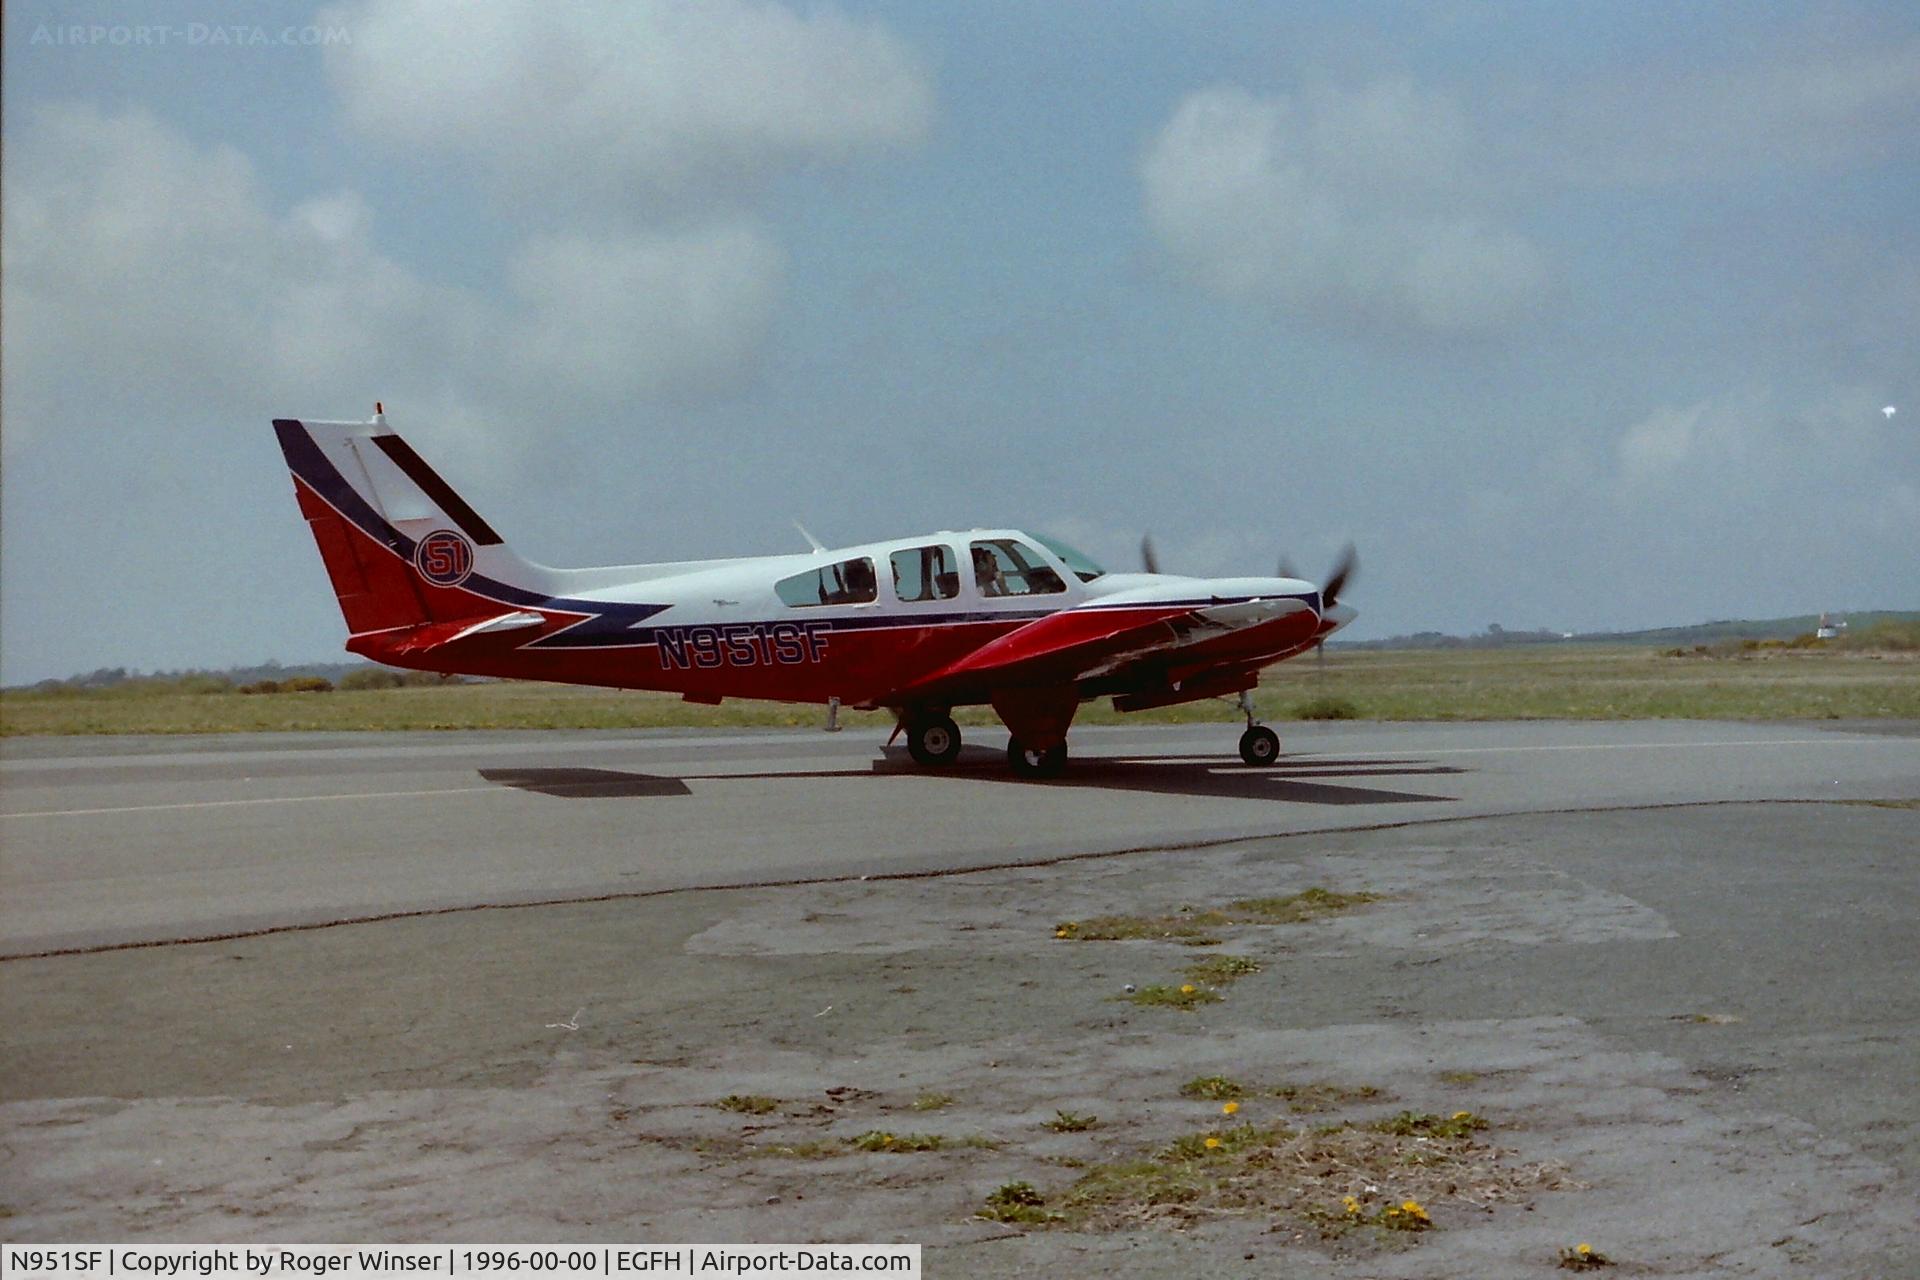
column 933, row 741
column 1258, row 745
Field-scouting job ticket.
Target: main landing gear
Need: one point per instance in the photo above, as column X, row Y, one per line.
column 1259, row 745
column 933, row 740
column 1036, row 762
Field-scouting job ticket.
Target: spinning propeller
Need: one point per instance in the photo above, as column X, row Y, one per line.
column 1344, row 569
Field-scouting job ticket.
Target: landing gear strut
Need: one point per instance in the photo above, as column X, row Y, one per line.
column 1259, row 745
column 933, row 740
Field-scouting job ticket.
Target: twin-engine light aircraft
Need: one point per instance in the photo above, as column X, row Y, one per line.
column 917, row 625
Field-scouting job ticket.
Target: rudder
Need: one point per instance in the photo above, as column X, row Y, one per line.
column 396, row 540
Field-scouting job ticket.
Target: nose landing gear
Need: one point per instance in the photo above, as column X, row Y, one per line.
column 1259, row 745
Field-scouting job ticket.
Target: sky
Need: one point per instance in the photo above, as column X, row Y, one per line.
column 1581, row 316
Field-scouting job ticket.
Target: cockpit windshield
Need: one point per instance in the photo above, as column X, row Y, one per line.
column 1082, row 565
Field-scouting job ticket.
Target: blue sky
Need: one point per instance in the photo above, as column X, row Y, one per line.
column 1580, row 316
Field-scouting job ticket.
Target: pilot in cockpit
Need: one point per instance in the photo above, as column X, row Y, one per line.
column 986, row 573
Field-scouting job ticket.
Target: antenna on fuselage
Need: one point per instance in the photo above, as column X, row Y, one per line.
column 811, row 540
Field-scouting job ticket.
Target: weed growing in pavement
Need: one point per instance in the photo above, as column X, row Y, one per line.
column 1583, row 1257
column 1200, row 927
column 1186, row 996
column 1425, row 1124
column 1339, row 1178
column 1212, row 1088
column 1016, row 1202
column 1218, row 971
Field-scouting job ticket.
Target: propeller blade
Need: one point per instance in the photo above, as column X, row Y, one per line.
column 1342, row 573
column 1148, row 557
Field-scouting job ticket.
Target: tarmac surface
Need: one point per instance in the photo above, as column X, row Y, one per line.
column 1672, row 963
column 113, row 841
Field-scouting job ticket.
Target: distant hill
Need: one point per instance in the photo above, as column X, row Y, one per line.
column 201, row 678
column 1497, row 637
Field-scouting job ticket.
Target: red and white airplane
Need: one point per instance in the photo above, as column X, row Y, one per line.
column 917, row 625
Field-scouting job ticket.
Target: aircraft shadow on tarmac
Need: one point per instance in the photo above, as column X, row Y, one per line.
column 1301, row 781
column 587, row 784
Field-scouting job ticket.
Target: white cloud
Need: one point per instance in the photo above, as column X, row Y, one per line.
column 1821, row 108
column 1655, row 448
column 608, row 104
column 676, row 309
column 148, row 276
column 1362, row 207
column 1747, row 445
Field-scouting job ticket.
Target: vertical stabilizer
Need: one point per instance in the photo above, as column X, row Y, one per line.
column 401, row 547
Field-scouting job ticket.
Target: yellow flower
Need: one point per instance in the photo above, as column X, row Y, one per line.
column 1229, row 1108
column 1463, row 1115
column 1583, row 1248
column 1187, row 988
column 1353, row 1205
column 1212, row 1143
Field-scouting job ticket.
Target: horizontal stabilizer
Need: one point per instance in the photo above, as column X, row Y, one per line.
column 518, row 621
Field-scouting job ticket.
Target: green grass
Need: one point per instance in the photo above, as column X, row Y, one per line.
column 1424, row 1124
column 1213, row 1089
column 1218, row 971
column 751, row 1104
column 896, row 1143
column 1200, row 927
column 1373, row 1182
column 1339, row 1179
column 1016, row 1202
column 1532, row 682
column 1124, row 928
column 1187, row 996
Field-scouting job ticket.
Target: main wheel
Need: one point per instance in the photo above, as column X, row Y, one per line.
column 1259, row 745
column 933, row 742
column 1032, row 762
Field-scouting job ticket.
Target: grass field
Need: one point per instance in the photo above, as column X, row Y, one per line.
column 1538, row 682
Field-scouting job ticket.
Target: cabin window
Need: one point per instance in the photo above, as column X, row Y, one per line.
column 848, row 582
column 925, row 573
column 1005, row 567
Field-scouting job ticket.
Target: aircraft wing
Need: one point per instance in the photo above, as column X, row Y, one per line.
column 1103, row 639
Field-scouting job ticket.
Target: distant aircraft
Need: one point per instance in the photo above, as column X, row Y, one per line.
column 917, row 625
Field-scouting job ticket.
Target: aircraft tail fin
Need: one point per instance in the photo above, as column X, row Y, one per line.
column 400, row 546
